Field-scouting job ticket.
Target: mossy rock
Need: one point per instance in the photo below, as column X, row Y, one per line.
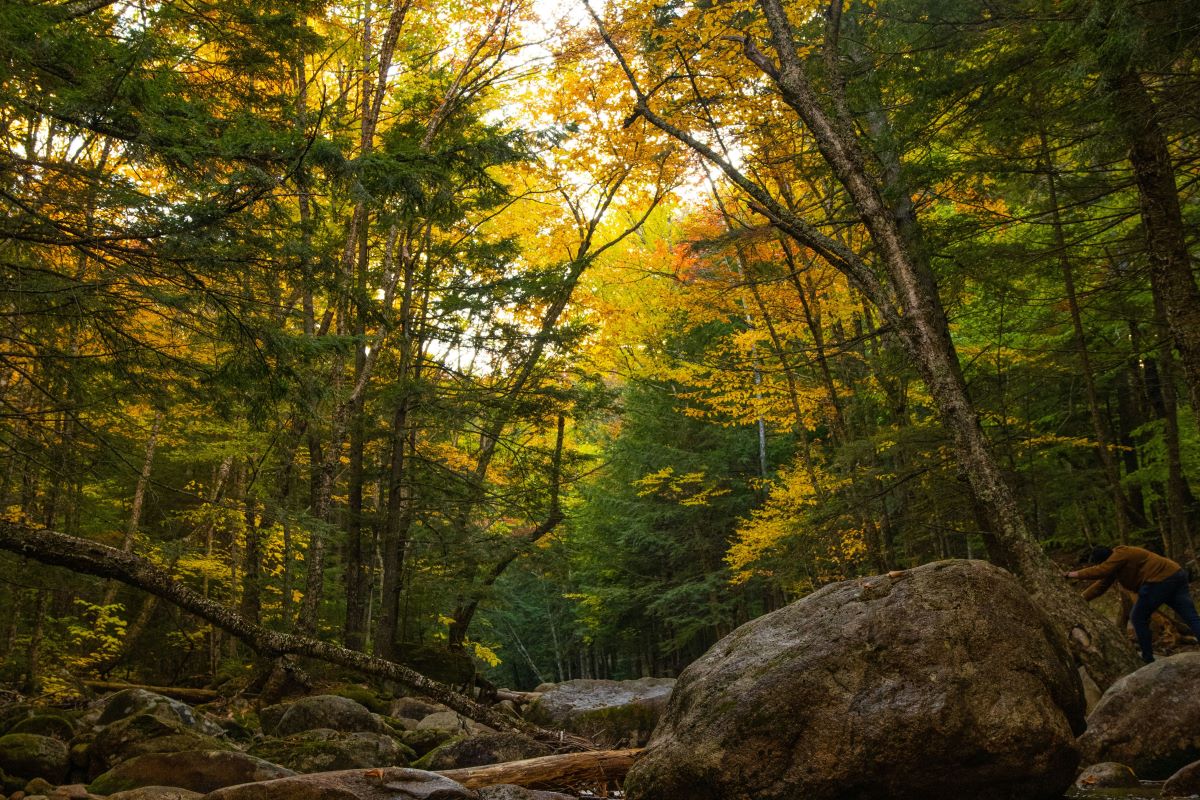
column 362, row 695
column 611, row 712
column 29, row 755
column 56, row 725
column 424, row 761
column 325, row 750
column 11, row 715
column 422, row 741
column 136, row 702
column 320, row 711
column 142, row 734
column 487, row 748
column 199, row 771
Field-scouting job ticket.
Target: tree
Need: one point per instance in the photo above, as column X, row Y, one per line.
column 903, row 289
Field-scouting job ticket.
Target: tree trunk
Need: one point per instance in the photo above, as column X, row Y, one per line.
column 908, row 299
column 139, row 495
column 923, row 328
column 1172, row 279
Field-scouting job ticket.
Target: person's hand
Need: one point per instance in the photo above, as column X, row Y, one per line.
column 1069, row 575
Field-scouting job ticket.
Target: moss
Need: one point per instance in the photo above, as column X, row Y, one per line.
column 111, row 783
column 423, row 741
column 361, row 695
column 56, row 725
column 424, row 761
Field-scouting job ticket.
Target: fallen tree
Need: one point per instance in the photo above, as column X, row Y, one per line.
column 596, row 768
column 81, row 555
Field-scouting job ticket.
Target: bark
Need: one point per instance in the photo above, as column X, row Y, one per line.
column 348, row 410
column 33, row 672
column 565, row 771
column 1179, row 500
column 1172, row 279
column 81, row 555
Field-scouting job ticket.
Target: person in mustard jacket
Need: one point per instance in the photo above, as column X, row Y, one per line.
column 1157, row 580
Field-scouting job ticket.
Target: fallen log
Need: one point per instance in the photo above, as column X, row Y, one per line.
column 184, row 693
column 517, row 697
column 596, row 768
column 58, row 549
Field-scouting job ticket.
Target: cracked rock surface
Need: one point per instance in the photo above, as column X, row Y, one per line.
column 941, row 681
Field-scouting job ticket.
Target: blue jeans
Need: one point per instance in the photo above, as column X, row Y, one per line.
column 1174, row 593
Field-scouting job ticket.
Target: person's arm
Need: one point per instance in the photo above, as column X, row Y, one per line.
column 1098, row 588
column 1107, row 569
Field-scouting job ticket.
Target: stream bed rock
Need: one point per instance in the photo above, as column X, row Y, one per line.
column 1149, row 719
column 942, row 681
column 614, row 713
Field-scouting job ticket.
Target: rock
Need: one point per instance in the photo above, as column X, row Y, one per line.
column 609, row 712
column 324, row 750
column 319, row 711
column 489, row 748
column 198, row 770
column 414, row 708
column 30, row 755
column 1184, row 783
column 1108, row 775
column 400, row 724
column 141, row 734
column 944, row 682
column 71, row 791
column 1150, row 719
column 442, row 721
column 363, row 696
column 55, row 725
column 156, row 793
column 39, row 786
column 396, row 783
column 506, row 791
column 135, row 702
column 422, row 741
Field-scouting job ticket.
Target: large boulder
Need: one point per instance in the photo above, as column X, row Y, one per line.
column 197, row 770
column 612, row 712
column 1149, row 719
column 1184, row 783
column 144, row 733
column 319, row 711
column 30, row 755
column 396, row 783
column 135, row 702
column 324, row 750
column 943, row 681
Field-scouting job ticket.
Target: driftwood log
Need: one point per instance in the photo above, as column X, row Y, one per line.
column 81, row 555
column 596, row 768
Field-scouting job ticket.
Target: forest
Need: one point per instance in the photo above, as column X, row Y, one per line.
column 510, row 342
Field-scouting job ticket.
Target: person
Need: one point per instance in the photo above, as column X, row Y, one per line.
column 1155, row 579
